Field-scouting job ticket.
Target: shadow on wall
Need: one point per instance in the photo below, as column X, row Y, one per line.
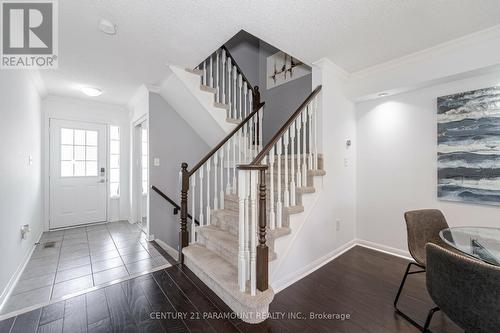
column 252, row 55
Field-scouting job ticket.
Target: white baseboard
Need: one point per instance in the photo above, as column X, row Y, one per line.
column 290, row 279
column 170, row 250
column 20, row 269
column 384, row 248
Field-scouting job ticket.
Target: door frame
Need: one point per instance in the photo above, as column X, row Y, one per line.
column 46, row 167
column 136, row 185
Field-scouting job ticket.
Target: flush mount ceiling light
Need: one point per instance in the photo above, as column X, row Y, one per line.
column 90, row 91
column 383, row 94
column 107, row 27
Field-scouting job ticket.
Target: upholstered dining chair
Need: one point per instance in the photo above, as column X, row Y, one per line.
column 466, row 289
column 423, row 226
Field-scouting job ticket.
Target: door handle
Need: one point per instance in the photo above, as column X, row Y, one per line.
column 101, row 181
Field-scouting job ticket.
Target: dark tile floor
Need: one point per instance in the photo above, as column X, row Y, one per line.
column 361, row 283
column 81, row 258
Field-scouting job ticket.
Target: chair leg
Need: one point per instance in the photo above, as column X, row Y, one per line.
column 404, row 315
column 429, row 318
column 402, row 285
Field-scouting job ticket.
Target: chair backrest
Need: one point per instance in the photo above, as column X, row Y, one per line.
column 423, row 227
column 467, row 290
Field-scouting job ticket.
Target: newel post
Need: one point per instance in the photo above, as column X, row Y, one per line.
column 256, row 97
column 183, row 233
column 262, row 250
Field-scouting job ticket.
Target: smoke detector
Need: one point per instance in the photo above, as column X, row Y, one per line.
column 107, row 27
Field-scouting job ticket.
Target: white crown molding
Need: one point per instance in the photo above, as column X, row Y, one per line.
column 452, row 45
column 327, row 64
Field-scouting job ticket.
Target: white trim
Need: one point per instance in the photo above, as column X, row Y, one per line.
column 20, row 269
column 170, row 250
column 290, row 279
column 461, row 42
column 384, row 248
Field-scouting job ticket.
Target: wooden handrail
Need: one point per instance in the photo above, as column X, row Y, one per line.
column 239, row 68
column 258, row 159
column 176, row 206
column 216, row 148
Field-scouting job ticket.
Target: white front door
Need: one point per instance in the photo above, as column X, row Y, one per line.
column 78, row 183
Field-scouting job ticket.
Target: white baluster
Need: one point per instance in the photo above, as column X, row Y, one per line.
column 250, row 137
column 221, row 152
column 217, row 78
column 216, row 192
column 205, row 73
column 208, row 191
column 272, row 222
column 303, row 116
column 240, row 145
column 211, row 81
column 233, row 185
column 247, row 224
column 309, row 138
column 253, row 232
column 293, row 129
column 240, row 85
column 279, row 205
column 298, row 159
column 228, row 157
column 235, row 77
column 250, row 101
column 229, row 101
column 315, row 116
column 244, row 147
column 223, row 72
column 201, row 195
column 245, row 93
column 193, row 208
column 242, row 189
column 261, row 121
column 286, row 195
column 256, row 132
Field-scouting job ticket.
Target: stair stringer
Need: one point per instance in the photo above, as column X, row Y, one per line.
column 284, row 245
column 182, row 90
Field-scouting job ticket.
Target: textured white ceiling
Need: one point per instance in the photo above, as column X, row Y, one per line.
column 354, row 34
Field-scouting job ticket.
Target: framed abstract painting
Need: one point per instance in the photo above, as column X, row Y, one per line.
column 469, row 146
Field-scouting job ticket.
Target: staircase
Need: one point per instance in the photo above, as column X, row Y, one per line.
column 249, row 199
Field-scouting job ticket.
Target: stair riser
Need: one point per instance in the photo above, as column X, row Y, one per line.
column 226, row 254
column 231, row 255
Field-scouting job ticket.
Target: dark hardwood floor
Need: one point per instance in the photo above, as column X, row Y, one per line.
column 360, row 284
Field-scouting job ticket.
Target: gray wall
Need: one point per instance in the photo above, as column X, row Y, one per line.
column 173, row 141
column 245, row 49
column 20, row 182
column 281, row 101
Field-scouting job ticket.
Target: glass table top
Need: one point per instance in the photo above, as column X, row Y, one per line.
column 478, row 242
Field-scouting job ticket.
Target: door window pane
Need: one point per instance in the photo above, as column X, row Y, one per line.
column 66, row 153
column 114, row 161
column 114, row 176
column 80, row 137
column 79, row 153
column 91, row 139
column 79, row 169
column 91, row 154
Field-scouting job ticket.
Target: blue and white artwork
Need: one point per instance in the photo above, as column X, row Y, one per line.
column 469, row 146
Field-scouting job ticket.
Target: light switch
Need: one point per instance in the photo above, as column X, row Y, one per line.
column 156, row 161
